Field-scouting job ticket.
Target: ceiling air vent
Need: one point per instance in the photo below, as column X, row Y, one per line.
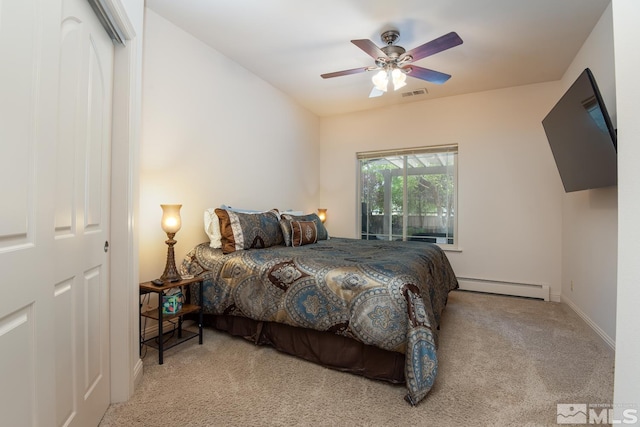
column 416, row 92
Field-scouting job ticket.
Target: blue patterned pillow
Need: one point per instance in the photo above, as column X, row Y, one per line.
column 323, row 234
column 249, row 231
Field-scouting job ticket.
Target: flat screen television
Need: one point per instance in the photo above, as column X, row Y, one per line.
column 582, row 138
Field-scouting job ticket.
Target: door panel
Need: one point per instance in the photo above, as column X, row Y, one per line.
column 97, row 115
column 69, row 132
column 65, row 324
column 93, row 350
column 17, row 353
column 19, row 53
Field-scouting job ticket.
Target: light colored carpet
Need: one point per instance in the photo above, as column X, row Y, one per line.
column 502, row 361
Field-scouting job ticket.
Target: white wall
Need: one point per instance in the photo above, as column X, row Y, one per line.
column 626, row 15
column 214, row 133
column 510, row 193
column 590, row 218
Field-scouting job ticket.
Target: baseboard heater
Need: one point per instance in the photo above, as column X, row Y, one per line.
column 504, row 288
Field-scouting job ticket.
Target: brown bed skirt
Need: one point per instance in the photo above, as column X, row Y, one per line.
column 323, row 348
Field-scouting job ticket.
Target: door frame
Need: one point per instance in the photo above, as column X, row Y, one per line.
column 126, row 365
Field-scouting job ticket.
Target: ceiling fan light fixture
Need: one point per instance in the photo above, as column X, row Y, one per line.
column 399, row 78
column 393, row 62
column 380, row 80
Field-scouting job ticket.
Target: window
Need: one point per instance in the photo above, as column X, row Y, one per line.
column 409, row 194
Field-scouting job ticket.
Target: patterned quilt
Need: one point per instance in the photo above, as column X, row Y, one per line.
column 382, row 293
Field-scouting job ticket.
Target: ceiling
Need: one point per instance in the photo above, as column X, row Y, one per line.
column 289, row 43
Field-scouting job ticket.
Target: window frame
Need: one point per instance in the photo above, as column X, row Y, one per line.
column 405, row 152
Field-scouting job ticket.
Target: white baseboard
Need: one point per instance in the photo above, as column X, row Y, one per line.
column 598, row 330
column 138, row 372
column 505, row 288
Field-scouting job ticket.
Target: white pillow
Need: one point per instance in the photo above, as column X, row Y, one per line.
column 229, row 208
column 212, row 228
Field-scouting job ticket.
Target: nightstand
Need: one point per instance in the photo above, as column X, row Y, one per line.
column 158, row 341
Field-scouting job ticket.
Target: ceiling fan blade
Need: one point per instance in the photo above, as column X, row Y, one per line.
column 426, row 74
column 370, row 48
column 434, row 46
column 344, row 72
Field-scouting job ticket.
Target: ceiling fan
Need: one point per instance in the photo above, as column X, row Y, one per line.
column 394, row 63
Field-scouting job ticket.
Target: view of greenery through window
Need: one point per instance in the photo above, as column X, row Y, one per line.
column 409, row 196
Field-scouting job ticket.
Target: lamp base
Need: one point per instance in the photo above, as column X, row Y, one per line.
column 170, row 271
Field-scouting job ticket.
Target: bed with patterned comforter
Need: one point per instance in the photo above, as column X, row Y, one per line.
column 382, row 293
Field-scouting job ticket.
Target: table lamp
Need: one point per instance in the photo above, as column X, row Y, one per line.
column 171, row 223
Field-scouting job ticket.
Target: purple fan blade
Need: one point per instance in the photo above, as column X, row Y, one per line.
column 426, row 74
column 370, row 48
column 344, row 73
column 434, row 46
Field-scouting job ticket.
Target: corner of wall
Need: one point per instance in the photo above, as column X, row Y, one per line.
column 597, row 329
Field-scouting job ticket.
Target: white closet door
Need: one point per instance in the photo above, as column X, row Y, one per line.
column 55, row 139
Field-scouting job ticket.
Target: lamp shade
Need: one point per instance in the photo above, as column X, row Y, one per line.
column 171, row 221
column 399, row 78
column 322, row 214
column 380, row 80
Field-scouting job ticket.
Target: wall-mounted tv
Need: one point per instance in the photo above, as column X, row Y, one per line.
column 582, row 138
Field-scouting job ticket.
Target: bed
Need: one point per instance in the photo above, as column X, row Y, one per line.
column 368, row 307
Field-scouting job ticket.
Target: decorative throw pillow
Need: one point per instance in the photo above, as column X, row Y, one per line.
column 285, row 227
column 249, row 230
column 323, row 234
column 212, row 228
column 303, row 233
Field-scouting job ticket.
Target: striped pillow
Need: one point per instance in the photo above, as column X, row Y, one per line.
column 303, row 233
